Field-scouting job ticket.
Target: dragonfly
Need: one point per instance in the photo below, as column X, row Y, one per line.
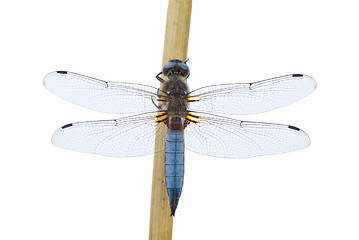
column 187, row 119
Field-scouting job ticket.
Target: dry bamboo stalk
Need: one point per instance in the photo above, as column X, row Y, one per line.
column 175, row 47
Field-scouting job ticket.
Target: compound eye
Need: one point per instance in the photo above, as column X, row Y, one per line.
column 185, row 69
column 167, row 67
column 182, row 65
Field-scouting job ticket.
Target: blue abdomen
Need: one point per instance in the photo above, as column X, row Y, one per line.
column 174, row 166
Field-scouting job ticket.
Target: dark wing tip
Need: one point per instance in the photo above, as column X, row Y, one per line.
column 294, row 128
column 297, row 75
column 67, row 125
column 62, row 72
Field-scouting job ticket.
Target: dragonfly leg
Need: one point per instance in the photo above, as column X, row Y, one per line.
column 159, row 78
column 155, row 103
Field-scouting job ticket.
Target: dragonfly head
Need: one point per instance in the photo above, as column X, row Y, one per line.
column 176, row 69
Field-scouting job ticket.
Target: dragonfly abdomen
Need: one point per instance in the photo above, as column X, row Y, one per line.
column 174, row 166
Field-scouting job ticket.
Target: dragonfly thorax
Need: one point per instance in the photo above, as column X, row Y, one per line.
column 175, row 88
column 177, row 104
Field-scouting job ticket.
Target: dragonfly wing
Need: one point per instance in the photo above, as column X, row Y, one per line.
column 250, row 98
column 231, row 138
column 123, row 137
column 102, row 96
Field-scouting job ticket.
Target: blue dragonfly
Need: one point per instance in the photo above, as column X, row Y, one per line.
column 187, row 118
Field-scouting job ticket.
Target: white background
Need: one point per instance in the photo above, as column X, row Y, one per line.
column 50, row 193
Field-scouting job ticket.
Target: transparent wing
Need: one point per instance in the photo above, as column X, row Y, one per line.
column 231, row 138
column 123, row 137
column 250, row 98
column 102, row 96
